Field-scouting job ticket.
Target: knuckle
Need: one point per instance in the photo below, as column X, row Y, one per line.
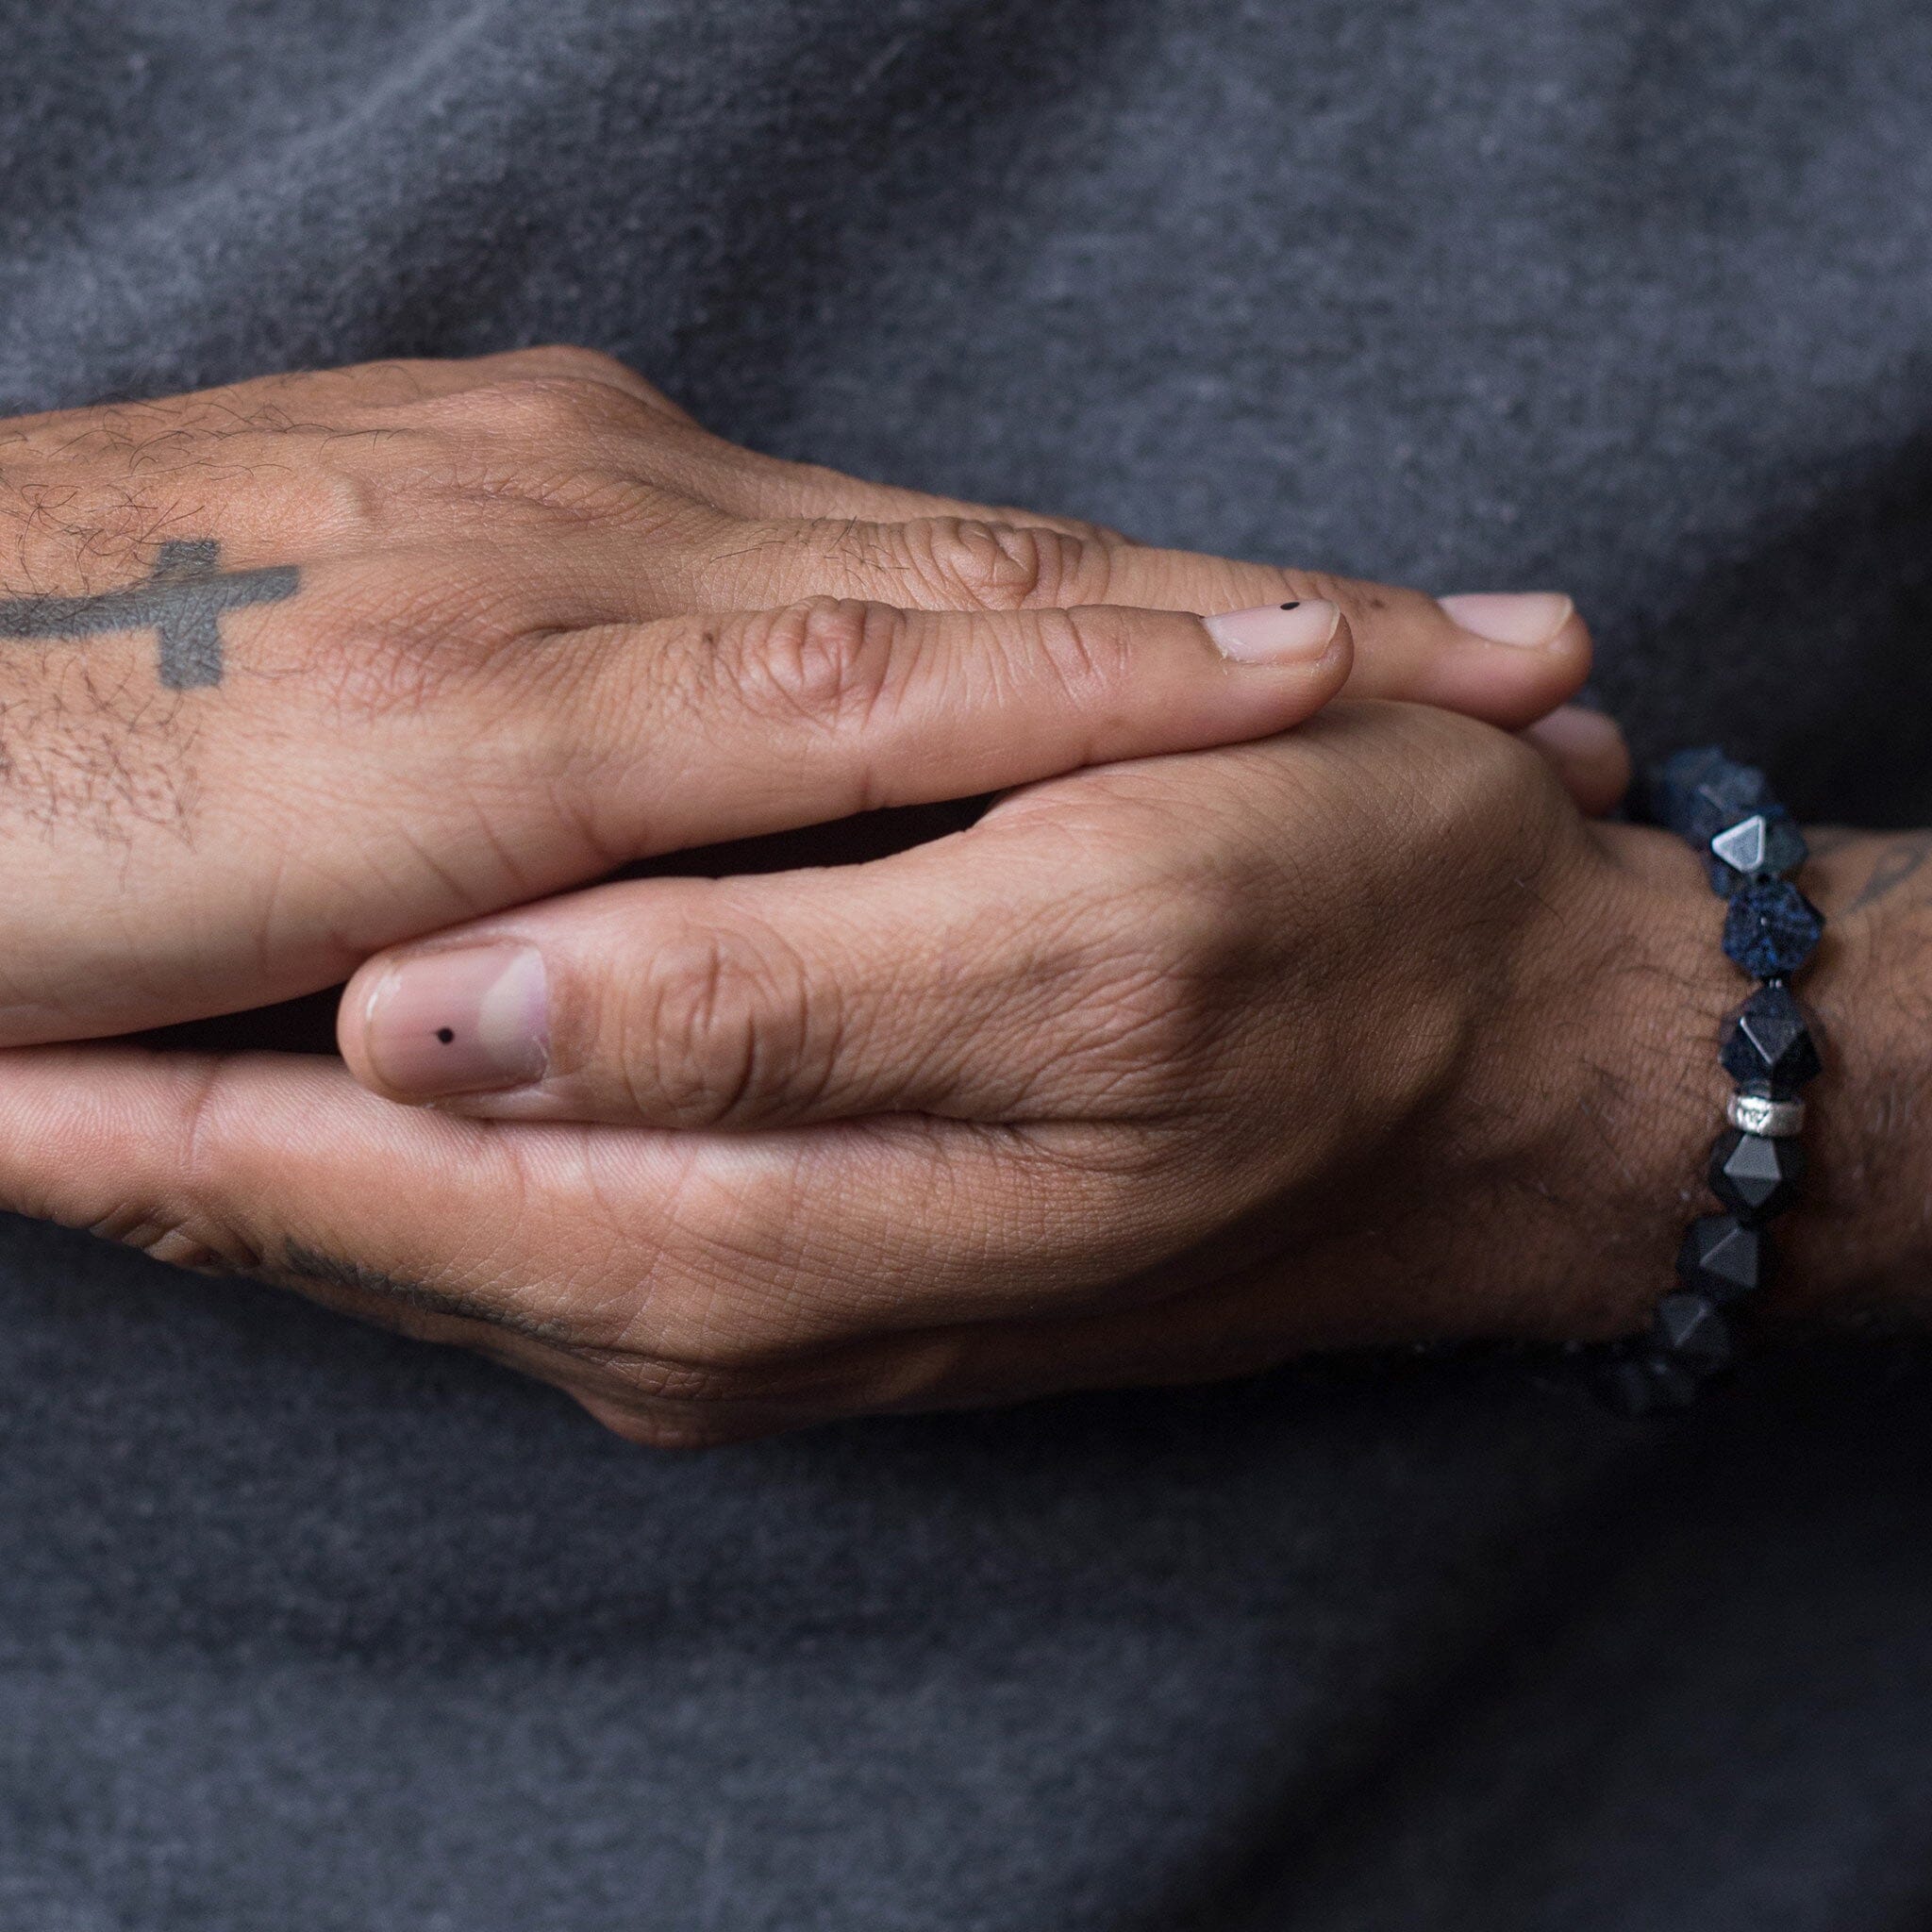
column 725, row 1029
column 1164, row 990
column 180, row 1237
column 829, row 661
column 1087, row 649
column 192, row 1224
column 373, row 507
column 533, row 408
column 575, row 361
column 973, row 563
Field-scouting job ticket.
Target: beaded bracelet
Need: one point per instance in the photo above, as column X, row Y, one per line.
column 1750, row 845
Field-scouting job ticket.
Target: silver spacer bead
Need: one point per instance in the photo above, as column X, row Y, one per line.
column 1758, row 1113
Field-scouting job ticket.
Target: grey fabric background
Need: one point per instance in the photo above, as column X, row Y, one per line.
column 305, row 1627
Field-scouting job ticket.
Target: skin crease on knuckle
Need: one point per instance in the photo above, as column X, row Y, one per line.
column 830, row 663
column 966, row 563
column 726, row 1027
column 1076, row 655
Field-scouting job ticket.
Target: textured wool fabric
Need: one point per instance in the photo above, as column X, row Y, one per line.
column 304, row 1627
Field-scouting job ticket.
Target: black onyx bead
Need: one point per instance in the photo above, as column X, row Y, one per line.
column 1761, row 846
column 1768, row 1040
column 1645, row 1383
column 1699, row 793
column 1771, row 928
column 1756, row 1178
column 1688, row 1329
column 1724, row 1257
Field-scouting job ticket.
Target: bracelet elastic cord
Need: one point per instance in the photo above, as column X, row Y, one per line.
column 1750, row 846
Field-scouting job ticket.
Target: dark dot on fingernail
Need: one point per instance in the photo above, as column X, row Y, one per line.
column 445, row 1034
column 1296, row 606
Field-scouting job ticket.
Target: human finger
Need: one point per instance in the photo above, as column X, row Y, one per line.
column 702, row 729
column 1000, row 978
column 1586, row 750
column 1506, row 658
column 672, row 1261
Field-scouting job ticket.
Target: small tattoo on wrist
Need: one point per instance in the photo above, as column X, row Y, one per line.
column 1901, row 859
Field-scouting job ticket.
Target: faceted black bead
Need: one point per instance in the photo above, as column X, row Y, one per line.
column 1768, row 1039
column 1645, row 1383
column 1756, row 1178
column 1687, row 1329
column 1724, row 1258
column 1699, row 793
column 1764, row 845
column 1771, row 928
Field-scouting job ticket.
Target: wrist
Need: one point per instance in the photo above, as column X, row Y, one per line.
column 1645, row 1079
column 1857, row 1249
column 1599, row 1079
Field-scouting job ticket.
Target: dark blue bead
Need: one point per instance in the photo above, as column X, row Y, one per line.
column 1768, row 1040
column 1765, row 846
column 1701, row 793
column 1771, row 928
column 1756, row 1178
column 1724, row 1258
column 1673, row 782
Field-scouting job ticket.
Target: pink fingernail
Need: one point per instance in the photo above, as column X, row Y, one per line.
column 466, row 1020
column 1526, row 618
column 1276, row 633
column 1575, row 731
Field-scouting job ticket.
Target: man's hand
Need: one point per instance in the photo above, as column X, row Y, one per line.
column 297, row 668
column 1160, row 1071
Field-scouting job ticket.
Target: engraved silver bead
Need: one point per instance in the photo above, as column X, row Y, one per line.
column 1758, row 1113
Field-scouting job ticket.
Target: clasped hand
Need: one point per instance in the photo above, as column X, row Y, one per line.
column 1230, row 1030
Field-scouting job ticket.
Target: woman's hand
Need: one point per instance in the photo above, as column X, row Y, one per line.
column 297, row 668
column 1161, row 1070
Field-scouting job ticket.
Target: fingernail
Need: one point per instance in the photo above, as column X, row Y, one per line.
column 469, row 1020
column 1511, row 617
column 1572, row 731
column 1276, row 633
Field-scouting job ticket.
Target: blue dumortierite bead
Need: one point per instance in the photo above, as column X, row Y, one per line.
column 1768, row 845
column 1768, row 1040
column 1756, row 1178
column 1700, row 794
column 1771, row 928
column 1673, row 782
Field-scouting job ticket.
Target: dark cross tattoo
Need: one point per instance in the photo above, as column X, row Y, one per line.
column 182, row 602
